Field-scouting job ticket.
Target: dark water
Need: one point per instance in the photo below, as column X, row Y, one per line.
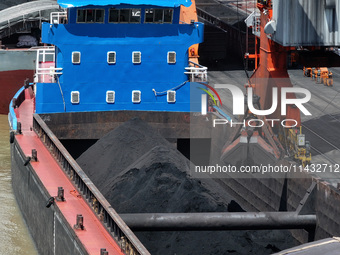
column 14, row 236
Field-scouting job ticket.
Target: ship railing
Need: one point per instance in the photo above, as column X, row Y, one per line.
column 45, row 65
column 113, row 223
column 197, row 72
column 47, row 75
column 58, row 18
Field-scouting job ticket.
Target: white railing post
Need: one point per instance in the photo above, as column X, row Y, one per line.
column 51, row 70
column 198, row 71
column 55, row 17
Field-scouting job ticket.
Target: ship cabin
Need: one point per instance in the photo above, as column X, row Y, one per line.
column 109, row 55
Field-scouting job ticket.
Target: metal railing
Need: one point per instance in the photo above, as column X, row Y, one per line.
column 58, row 17
column 113, row 223
column 254, row 21
column 197, row 72
column 45, row 65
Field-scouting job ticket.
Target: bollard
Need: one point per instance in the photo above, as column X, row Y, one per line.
column 34, row 155
column 103, row 251
column 19, row 128
column 80, row 222
column 60, row 196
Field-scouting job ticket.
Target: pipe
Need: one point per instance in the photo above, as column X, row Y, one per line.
column 218, row 221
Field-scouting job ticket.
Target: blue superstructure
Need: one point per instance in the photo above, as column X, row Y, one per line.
column 119, row 56
column 163, row 3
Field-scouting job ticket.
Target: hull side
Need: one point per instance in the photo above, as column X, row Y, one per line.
column 48, row 227
column 10, row 83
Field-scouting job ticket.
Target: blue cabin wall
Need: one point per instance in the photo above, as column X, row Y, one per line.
column 94, row 76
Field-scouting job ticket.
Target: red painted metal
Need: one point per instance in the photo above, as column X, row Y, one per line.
column 272, row 71
column 94, row 236
column 10, row 83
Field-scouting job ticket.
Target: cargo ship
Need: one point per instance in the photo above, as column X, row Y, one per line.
column 110, row 61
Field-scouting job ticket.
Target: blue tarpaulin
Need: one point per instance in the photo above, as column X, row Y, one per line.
column 163, row 3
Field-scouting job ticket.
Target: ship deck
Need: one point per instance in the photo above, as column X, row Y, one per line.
column 94, row 236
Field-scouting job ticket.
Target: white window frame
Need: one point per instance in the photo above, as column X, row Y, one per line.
column 108, row 53
column 140, row 57
column 107, row 97
column 167, row 96
column 75, row 92
column 170, row 52
column 140, row 96
column 73, row 53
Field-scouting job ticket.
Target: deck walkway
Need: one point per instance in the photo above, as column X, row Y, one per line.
column 95, row 236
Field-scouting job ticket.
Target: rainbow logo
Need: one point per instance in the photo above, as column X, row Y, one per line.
column 204, row 99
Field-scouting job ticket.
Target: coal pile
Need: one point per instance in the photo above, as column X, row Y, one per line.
column 160, row 179
column 138, row 171
column 118, row 149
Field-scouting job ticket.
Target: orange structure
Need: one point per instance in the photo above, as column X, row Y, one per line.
column 267, row 142
column 272, row 70
column 188, row 15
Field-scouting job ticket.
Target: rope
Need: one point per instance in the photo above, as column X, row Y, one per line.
column 165, row 92
column 62, row 94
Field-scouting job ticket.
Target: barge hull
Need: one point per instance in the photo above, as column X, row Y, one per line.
column 48, row 227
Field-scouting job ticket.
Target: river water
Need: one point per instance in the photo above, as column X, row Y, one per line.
column 14, row 237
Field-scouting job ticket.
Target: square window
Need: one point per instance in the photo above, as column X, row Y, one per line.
column 136, row 57
column 76, row 57
column 90, row 15
column 110, row 97
column 136, row 96
column 171, row 96
column 135, row 16
column 114, row 15
column 124, row 15
column 111, row 57
column 171, row 57
column 75, row 97
column 159, row 16
column 168, row 16
column 100, row 16
column 149, row 15
column 81, row 14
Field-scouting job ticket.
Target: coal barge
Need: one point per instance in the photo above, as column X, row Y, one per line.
column 57, row 101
